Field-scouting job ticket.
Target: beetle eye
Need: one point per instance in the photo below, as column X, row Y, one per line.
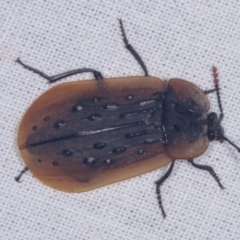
column 211, row 135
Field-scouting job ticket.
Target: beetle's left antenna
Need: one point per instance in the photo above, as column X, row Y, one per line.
column 20, row 175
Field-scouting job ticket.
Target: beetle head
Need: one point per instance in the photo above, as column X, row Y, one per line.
column 215, row 130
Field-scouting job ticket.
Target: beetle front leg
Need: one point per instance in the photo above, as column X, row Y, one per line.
column 209, row 169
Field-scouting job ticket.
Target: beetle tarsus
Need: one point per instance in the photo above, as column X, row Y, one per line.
column 130, row 48
column 160, row 202
column 33, row 70
column 209, row 91
column 20, row 175
column 209, row 169
column 51, row 79
column 158, row 185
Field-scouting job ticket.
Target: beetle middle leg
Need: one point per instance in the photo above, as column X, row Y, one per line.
column 209, row 169
column 158, row 185
column 97, row 75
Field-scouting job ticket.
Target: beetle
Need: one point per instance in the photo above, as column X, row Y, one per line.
column 82, row 135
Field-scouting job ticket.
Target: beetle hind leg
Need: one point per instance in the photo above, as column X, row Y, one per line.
column 158, row 185
column 209, row 169
column 97, row 75
column 130, row 48
column 20, row 174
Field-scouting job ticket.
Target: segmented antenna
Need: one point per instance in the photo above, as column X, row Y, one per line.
column 216, row 80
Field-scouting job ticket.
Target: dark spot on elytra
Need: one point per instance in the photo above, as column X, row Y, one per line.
column 46, row 118
column 99, row 145
column 94, row 117
column 67, row 152
column 119, row 150
column 59, row 124
column 55, row 163
column 39, row 160
column 176, row 128
column 34, row 128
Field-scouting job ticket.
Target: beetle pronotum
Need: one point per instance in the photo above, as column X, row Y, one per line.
column 78, row 136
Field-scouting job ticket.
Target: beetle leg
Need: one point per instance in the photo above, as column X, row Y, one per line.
column 21, row 173
column 209, row 169
column 130, row 48
column 97, row 75
column 158, row 185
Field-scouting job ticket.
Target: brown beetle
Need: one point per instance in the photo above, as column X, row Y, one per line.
column 78, row 136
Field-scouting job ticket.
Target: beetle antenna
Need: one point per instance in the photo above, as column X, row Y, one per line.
column 216, row 80
column 231, row 143
column 20, row 175
column 130, row 48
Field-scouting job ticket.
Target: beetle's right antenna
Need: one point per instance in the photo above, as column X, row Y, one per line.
column 130, row 48
column 217, row 90
column 20, row 175
column 215, row 79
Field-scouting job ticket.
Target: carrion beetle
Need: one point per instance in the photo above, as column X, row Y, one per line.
column 81, row 135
